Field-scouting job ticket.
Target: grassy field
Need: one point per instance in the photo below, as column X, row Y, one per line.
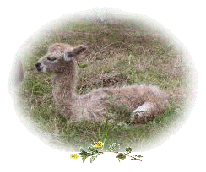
column 120, row 52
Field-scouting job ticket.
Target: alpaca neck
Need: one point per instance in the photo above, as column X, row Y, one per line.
column 65, row 84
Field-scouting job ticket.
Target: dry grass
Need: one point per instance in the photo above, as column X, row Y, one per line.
column 120, row 52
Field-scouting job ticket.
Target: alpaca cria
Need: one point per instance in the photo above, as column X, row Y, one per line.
column 143, row 101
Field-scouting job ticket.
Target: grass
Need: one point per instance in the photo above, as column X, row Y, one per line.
column 120, row 52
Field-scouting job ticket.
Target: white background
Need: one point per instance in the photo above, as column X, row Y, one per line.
column 21, row 151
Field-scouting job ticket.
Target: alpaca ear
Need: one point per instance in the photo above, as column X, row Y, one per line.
column 68, row 56
column 79, row 49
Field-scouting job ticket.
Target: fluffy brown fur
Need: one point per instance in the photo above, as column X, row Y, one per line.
column 143, row 101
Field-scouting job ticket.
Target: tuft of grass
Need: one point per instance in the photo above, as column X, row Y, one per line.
column 120, row 52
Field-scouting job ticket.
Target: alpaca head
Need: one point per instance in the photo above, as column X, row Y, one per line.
column 58, row 58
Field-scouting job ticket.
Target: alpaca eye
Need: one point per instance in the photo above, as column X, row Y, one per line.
column 69, row 54
column 51, row 58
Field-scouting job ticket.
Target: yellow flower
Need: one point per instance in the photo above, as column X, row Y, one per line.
column 98, row 144
column 74, row 156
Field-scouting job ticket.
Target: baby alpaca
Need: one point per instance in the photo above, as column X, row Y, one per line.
column 143, row 101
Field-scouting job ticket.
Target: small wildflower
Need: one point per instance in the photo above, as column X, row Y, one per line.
column 98, row 144
column 74, row 156
column 94, row 151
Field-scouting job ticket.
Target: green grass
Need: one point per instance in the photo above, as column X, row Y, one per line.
column 120, row 52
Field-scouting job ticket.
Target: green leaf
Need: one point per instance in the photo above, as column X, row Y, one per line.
column 134, row 159
column 93, row 158
column 82, row 151
column 121, row 156
column 139, row 156
column 84, row 154
column 93, row 150
column 128, row 150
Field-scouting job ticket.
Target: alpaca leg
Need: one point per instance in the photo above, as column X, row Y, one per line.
column 142, row 111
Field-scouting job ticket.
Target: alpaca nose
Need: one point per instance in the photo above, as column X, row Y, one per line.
column 38, row 66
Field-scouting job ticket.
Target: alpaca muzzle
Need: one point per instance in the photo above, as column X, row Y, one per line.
column 38, row 66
